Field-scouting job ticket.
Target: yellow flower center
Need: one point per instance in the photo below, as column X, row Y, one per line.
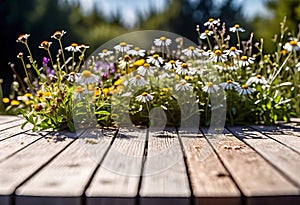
column 86, row 74
column 138, row 77
column 74, row 44
column 79, row 89
column 244, row 87
column 156, row 56
column 126, row 58
column 233, row 48
column 184, row 65
column 45, row 44
column 137, row 48
column 28, row 95
column 218, row 52
column 104, row 51
column 146, row 65
column 209, row 84
column 229, row 81
column 293, row 43
column 144, row 94
column 57, row 33
column 207, row 31
column 191, row 48
column 123, row 44
column 259, row 76
column 15, row 103
column 163, row 38
column 244, row 58
column 5, row 100
column 211, row 20
column 172, row 62
column 47, row 94
column 237, row 26
column 139, row 62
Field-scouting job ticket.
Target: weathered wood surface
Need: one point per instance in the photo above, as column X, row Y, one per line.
column 242, row 165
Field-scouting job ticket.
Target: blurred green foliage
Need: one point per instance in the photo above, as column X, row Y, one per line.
column 41, row 18
column 266, row 27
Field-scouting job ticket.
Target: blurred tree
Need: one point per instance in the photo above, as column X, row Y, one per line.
column 267, row 27
column 182, row 16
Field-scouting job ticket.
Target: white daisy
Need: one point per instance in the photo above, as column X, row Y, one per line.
column 182, row 69
column 58, row 34
column 138, row 80
column 211, row 22
column 73, row 47
column 144, row 97
column 205, row 34
column 230, row 85
column 79, row 93
column 258, row 79
column 245, row 90
column 233, row 52
column 183, row 86
column 137, row 52
column 155, row 60
column 172, row 64
column 210, row 88
column 245, row 61
column 162, row 41
column 105, row 53
column 122, row 47
column 217, row 56
column 236, row 28
column 124, row 62
column 145, row 69
column 191, row 51
column 293, row 45
column 23, row 38
column 87, row 77
column 72, row 76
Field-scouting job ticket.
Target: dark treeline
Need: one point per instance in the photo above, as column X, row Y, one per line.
column 41, row 18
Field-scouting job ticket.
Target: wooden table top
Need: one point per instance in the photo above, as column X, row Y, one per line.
column 242, row 165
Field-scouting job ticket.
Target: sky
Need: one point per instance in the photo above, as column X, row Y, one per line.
column 128, row 8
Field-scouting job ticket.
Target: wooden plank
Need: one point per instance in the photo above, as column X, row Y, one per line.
column 64, row 179
column 13, row 124
column 18, row 168
column 16, row 143
column 255, row 177
column 117, row 179
column 9, row 118
column 211, row 183
column 278, row 134
column 280, row 156
column 14, row 130
column 164, row 179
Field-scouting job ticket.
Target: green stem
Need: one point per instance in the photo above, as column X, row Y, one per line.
column 238, row 38
column 62, row 51
column 25, row 69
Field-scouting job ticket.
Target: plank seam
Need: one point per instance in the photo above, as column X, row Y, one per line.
column 15, row 152
column 83, row 196
column 11, row 127
column 186, row 166
column 13, row 199
column 273, row 139
column 243, row 197
column 145, row 154
column 268, row 161
column 22, row 132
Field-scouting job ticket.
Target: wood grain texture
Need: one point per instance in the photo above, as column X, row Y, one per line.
column 280, row 156
column 9, row 118
column 276, row 133
column 12, row 124
column 211, row 183
column 64, row 179
column 16, row 143
column 22, row 165
column 117, row 179
column 164, row 179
